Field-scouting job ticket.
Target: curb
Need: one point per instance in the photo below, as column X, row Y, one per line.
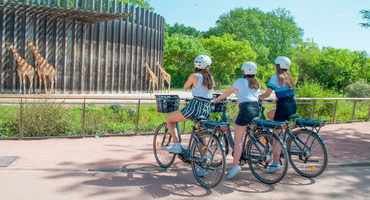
column 330, row 165
column 156, row 170
column 349, row 164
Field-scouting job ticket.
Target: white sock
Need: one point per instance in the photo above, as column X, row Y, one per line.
column 177, row 144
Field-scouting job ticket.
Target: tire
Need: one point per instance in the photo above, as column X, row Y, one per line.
column 209, row 155
column 162, row 139
column 307, row 153
column 223, row 139
column 259, row 157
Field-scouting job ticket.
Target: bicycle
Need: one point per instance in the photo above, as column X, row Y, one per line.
column 257, row 145
column 204, row 151
column 307, row 150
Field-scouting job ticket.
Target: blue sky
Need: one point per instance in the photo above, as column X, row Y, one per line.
column 328, row 22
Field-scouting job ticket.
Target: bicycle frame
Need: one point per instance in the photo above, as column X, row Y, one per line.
column 185, row 155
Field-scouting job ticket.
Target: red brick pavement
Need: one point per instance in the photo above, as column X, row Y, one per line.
column 348, row 142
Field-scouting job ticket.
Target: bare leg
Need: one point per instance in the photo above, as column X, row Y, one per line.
column 277, row 148
column 238, row 139
column 171, row 120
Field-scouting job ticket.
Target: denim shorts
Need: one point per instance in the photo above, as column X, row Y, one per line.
column 284, row 108
column 247, row 111
column 198, row 106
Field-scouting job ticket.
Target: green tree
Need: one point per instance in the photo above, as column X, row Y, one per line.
column 270, row 34
column 179, row 53
column 307, row 57
column 246, row 25
column 282, row 33
column 182, row 29
column 228, row 55
column 366, row 17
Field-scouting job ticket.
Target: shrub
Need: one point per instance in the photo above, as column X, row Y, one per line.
column 360, row 89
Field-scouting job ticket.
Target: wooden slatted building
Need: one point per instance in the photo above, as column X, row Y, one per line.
column 95, row 46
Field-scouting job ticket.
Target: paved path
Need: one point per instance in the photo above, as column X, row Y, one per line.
column 73, row 169
column 346, row 143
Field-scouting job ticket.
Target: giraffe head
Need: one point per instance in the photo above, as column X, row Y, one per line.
column 29, row 42
column 145, row 64
column 9, row 45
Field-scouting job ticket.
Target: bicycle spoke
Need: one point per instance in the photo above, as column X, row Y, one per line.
column 210, row 170
column 307, row 153
column 162, row 139
column 259, row 152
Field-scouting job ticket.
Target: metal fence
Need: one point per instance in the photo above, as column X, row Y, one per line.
column 89, row 57
column 77, row 116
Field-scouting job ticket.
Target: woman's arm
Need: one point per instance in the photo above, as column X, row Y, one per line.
column 266, row 94
column 192, row 81
column 224, row 95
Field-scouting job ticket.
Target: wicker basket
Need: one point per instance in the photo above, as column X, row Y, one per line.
column 167, row 103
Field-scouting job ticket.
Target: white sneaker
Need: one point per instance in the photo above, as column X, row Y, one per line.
column 233, row 171
column 202, row 172
column 176, row 148
column 273, row 168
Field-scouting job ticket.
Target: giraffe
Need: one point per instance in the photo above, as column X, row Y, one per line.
column 43, row 68
column 165, row 77
column 153, row 80
column 23, row 69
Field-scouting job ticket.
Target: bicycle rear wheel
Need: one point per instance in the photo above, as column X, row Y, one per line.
column 162, row 139
column 209, row 162
column 259, row 152
column 223, row 139
column 307, row 153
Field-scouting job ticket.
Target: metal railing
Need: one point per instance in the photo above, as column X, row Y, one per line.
column 90, row 119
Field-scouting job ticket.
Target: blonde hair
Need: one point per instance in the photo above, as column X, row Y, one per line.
column 284, row 77
column 207, row 77
column 252, row 82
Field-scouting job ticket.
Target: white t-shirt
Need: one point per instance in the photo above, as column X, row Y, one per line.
column 245, row 94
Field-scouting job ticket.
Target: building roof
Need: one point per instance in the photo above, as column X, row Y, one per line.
column 73, row 14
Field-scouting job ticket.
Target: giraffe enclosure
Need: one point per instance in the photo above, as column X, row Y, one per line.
column 91, row 48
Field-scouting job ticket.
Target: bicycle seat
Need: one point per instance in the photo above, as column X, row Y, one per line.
column 303, row 122
column 293, row 116
column 255, row 119
column 198, row 118
column 214, row 124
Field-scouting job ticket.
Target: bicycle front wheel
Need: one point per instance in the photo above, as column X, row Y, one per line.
column 307, row 153
column 259, row 152
column 162, row 139
column 208, row 160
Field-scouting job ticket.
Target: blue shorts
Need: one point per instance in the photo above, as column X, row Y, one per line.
column 247, row 111
column 198, row 106
column 284, row 108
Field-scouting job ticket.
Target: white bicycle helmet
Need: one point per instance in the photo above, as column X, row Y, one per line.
column 249, row 68
column 202, row 62
column 284, row 62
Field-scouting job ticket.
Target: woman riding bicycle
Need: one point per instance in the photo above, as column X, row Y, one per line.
column 201, row 82
column 247, row 89
column 283, row 84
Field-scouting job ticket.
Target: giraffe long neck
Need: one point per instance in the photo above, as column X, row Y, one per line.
column 161, row 69
column 18, row 58
column 147, row 67
column 36, row 53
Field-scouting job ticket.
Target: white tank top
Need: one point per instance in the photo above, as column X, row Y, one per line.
column 200, row 90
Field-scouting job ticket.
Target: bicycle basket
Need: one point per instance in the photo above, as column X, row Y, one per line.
column 167, row 103
column 219, row 106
